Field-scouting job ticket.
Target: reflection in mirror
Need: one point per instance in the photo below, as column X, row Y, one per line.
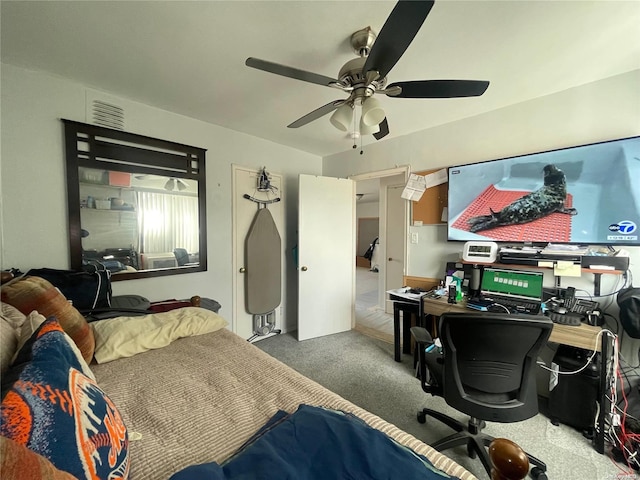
column 138, row 222
column 136, row 204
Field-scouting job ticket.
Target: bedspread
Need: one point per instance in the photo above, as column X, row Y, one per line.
column 200, row 398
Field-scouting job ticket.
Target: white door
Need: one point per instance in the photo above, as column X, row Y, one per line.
column 245, row 182
column 326, row 252
column 395, row 229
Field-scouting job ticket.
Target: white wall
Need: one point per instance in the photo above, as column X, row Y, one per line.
column 33, row 177
column 594, row 112
column 367, row 209
column 33, row 188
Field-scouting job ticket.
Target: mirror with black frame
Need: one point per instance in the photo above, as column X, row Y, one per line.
column 136, row 204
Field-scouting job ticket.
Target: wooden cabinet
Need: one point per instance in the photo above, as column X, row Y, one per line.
column 428, row 209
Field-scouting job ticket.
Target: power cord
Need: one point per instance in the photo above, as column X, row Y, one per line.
column 626, row 444
column 588, row 361
column 500, row 305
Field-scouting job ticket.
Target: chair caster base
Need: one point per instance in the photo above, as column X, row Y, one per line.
column 470, row 451
column 538, row 474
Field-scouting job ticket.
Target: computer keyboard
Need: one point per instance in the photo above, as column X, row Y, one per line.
column 571, row 319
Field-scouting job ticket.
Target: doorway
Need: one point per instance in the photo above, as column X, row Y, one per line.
column 379, row 198
column 245, row 181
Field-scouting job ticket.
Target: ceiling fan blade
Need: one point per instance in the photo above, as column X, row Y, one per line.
column 440, row 88
column 396, row 34
column 316, row 114
column 289, row 72
column 384, row 130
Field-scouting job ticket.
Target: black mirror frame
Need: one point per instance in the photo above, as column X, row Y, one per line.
column 110, row 149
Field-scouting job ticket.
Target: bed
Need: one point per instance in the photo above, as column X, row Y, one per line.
column 189, row 393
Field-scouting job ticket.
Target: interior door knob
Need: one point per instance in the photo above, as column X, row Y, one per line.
column 242, row 269
column 390, row 259
column 304, row 269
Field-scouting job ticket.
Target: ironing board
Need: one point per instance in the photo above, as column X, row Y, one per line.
column 263, row 260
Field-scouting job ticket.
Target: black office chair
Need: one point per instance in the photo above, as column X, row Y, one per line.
column 486, row 369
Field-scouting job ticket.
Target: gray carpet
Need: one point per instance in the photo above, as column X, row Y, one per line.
column 361, row 369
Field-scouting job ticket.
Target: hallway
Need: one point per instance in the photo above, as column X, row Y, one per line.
column 371, row 319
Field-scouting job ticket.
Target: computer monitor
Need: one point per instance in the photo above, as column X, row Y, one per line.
column 517, row 283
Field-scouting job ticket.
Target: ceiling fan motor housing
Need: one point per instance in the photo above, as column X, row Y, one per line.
column 351, row 75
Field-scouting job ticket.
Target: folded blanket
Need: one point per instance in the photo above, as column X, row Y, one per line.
column 315, row 443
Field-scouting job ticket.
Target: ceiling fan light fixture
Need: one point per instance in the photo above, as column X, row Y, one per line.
column 368, row 129
column 181, row 185
column 342, row 117
column 372, row 112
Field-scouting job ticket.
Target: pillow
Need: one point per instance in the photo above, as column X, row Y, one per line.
column 35, row 293
column 11, row 320
column 49, row 386
column 127, row 336
column 30, row 325
column 12, row 315
column 18, row 463
column 8, row 345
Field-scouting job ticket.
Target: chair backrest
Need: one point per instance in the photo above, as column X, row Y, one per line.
column 182, row 256
column 490, row 363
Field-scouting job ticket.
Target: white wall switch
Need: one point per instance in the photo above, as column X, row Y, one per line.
column 414, row 237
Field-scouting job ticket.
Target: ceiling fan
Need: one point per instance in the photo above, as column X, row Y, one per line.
column 366, row 75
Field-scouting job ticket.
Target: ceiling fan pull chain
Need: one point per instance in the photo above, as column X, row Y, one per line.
column 359, row 133
column 355, row 133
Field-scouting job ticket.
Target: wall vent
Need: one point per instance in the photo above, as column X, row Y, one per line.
column 107, row 115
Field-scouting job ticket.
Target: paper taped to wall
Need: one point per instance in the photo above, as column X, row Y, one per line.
column 415, row 187
column 436, row 178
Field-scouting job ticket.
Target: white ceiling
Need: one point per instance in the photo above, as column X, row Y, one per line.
column 188, row 57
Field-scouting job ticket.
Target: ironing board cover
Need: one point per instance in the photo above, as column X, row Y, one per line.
column 264, row 263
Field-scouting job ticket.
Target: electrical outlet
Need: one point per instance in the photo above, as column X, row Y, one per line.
column 414, row 237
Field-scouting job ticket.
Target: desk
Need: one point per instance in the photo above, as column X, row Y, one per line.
column 583, row 336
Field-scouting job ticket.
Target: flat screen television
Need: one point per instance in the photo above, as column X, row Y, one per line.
column 523, row 200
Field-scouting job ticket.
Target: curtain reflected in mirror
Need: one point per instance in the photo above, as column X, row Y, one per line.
column 143, row 216
column 167, row 221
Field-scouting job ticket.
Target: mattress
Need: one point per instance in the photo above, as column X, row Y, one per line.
column 200, row 398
